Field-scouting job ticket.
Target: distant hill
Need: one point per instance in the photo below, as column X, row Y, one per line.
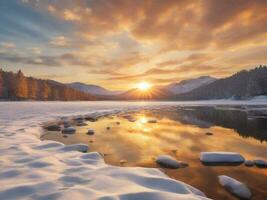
column 92, row 89
column 15, row 86
column 242, row 85
column 189, row 85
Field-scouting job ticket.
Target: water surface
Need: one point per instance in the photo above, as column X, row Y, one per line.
column 180, row 131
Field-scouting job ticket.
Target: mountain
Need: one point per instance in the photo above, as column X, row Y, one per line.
column 189, row 85
column 242, row 85
column 16, row 86
column 92, row 89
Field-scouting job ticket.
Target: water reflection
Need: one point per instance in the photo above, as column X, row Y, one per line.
column 241, row 120
column 181, row 133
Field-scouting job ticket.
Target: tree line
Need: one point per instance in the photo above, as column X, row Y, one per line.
column 16, row 86
column 242, row 85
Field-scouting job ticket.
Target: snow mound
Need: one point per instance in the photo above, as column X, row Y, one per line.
column 235, row 187
column 221, row 157
column 42, row 170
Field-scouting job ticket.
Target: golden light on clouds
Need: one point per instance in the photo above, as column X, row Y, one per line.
column 116, row 43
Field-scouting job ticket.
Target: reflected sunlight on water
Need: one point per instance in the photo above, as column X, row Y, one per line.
column 181, row 134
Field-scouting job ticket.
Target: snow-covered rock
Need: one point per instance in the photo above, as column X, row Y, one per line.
column 235, row 187
column 167, row 161
column 221, row 157
column 69, row 130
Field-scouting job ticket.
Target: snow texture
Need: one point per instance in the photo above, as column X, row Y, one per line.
column 42, row 170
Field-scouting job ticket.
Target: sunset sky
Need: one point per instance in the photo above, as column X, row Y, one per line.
column 118, row 43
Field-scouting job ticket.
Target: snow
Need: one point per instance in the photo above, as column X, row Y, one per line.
column 35, row 169
column 167, row 161
column 235, row 187
column 221, row 157
column 189, row 85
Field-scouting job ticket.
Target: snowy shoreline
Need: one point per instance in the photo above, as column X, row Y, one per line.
column 35, row 169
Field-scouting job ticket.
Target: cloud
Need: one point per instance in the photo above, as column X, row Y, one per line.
column 59, row 41
column 8, row 45
column 129, row 40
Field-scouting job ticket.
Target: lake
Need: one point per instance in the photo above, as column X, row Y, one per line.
column 127, row 139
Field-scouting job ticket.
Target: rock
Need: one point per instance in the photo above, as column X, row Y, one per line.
column 221, row 157
column 81, row 124
column 123, row 162
column 68, row 130
column 152, row 121
column 79, row 119
column 209, row 133
column 118, row 123
column 66, row 124
column 249, row 163
column 183, row 164
column 235, row 187
column 90, row 132
column 76, row 147
column 260, row 163
column 65, row 136
column 90, row 118
column 108, row 128
column 53, row 127
column 167, row 161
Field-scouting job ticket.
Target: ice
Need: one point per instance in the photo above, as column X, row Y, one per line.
column 235, row 187
column 41, row 170
column 221, row 157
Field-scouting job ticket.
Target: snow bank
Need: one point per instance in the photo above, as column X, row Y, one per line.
column 34, row 169
column 221, row 157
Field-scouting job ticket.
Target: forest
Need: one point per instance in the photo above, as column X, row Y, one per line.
column 16, row 86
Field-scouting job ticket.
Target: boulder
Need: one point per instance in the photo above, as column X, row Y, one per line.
column 235, row 187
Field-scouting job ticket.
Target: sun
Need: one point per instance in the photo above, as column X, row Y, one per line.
column 144, row 86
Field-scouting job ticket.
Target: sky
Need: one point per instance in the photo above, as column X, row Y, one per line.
column 119, row 43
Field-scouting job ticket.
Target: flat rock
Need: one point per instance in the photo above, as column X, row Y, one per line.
column 221, row 157
column 69, row 130
column 260, row 163
column 81, row 124
column 167, row 161
column 53, row 127
column 235, row 187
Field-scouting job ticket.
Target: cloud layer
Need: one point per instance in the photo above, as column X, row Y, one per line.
column 124, row 41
